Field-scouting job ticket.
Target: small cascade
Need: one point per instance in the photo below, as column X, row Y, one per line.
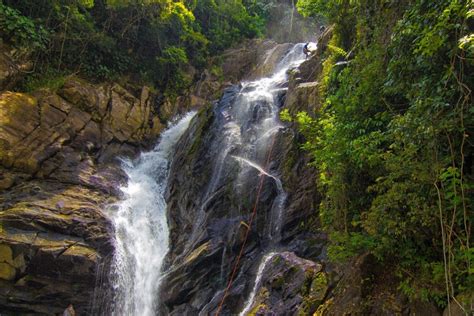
column 256, row 286
column 257, row 167
column 277, row 207
column 260, row 99
column 142, row 234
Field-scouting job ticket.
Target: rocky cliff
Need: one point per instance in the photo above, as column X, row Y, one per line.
column 59, row 170
column 209, row 212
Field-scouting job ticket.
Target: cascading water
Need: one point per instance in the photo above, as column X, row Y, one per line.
column 142, row 234
column 245, row 129
column 265, row 92
column 257, row 112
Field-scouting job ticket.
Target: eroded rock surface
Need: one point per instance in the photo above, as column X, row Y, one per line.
column 59, row 168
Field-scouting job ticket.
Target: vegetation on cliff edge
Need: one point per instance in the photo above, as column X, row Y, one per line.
column 150, row 41
column 393, row 139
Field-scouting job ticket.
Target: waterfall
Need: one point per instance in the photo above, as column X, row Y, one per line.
column 256, row 110
column 142, row 234
column 246, row 127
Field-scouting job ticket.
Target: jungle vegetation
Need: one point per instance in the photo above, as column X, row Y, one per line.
column 148, row 41
column 393, row 139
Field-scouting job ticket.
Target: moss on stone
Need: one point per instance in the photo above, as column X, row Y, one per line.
column 278, row 281
column 320, row 311
column 7, row 272
column 205, row 118
column 6, row 253
column 14, row 103
column 276, row 260
column 260, row 304
column 81, row 251
column 197, row 252
column 313, row 295
column 7, row 269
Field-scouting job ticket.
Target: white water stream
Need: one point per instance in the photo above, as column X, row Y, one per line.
column 267, row 89
column 141, row 228
column 258, row 281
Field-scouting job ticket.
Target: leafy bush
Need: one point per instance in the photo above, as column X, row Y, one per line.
column 20, row 30
column 171, row 64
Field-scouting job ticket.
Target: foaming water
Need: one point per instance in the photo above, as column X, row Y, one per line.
column 141, row 228
column 258, row 104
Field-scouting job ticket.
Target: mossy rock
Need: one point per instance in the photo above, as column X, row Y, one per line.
column 315, row 297
column 7, row 272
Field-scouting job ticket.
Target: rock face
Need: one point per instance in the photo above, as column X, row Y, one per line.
column 291, row 286
column 58, row 170
column 253, row 59
column 12, row 69
column 209, row 211
column 304, row 87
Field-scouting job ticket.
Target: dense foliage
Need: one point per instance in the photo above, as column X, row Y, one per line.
column 393, row 139
column 155, row 41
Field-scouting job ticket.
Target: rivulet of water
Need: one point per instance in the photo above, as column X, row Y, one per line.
column 256, row 286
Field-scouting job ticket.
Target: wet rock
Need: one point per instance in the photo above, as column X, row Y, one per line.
column 254, row 58
column 209, row 209
column 302, row 97
column 268, row 61
column 290, row 286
